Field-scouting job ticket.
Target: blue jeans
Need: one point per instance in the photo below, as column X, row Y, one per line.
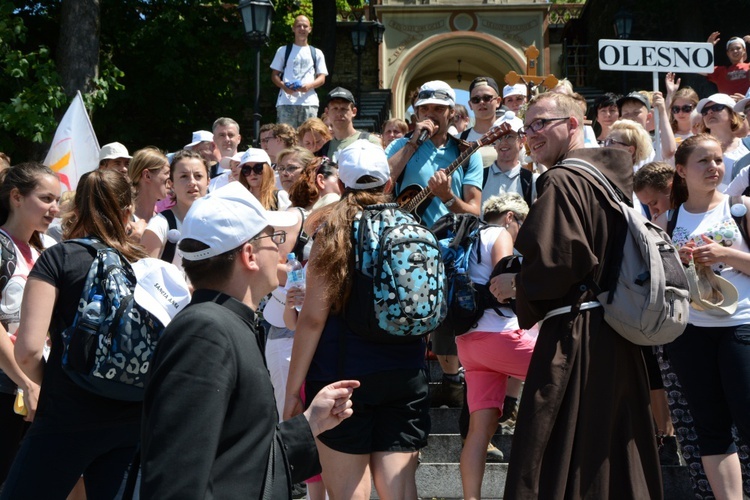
column 295, row 115
column 713, row 366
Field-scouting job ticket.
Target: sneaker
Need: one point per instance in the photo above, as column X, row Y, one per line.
column 448, row 395
column 493, row 454
column 299, row 490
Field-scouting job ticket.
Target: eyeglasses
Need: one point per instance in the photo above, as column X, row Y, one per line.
column 716, row 108
column 278, row 237
column 437, row 94
column 538, row 124
column 609, row 142
column 255, row 168
column 289, row 169
column 485, row 98
column 687, row 108
column 264, row 140
column 518, row 221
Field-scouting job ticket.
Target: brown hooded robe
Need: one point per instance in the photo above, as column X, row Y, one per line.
column 584, row 426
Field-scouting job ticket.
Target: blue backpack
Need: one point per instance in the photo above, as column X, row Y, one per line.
column 458, row 237
column 108, row 348
column 397, row 286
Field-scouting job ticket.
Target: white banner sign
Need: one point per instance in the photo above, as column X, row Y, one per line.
column 644, row 56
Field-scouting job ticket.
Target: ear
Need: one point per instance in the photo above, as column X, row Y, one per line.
column 319, row 181
column 16, row 197
column 248, row 257
column 354, row 110
column 680, row 169
column 388, row 186
column 146, row 174
column 574, row 123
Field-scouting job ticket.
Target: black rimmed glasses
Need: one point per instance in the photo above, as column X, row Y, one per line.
column 278, row 237
column 485, row 98
column 443, row 95
column 686, row 108
column 251, row 168
column 538, row 124
column 716, row 108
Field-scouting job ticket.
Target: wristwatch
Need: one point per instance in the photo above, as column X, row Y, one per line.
column 449, row 202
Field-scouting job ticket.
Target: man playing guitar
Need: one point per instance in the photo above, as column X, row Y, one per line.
column 417, row 163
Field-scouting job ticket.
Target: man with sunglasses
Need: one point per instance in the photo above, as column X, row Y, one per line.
column 483, row 101
column 584, row 427
column 210, row 424
column 419, row 160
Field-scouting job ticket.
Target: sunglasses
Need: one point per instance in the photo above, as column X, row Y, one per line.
column 485, row 98
column 608, row 142
column 687, row 108
column 255, row 168
column 714, row 107
column 437, row 94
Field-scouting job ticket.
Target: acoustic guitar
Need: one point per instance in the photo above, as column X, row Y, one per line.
column 415, row 198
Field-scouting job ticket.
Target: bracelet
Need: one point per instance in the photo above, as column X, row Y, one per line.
column 449, row 202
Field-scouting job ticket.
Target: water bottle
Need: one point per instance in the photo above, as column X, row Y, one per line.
column 295, row 275
column 91, row 317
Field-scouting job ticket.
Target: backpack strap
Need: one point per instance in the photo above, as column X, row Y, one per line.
column 672, row 219
column 302, row 238
column 741, row 221
column 465, row 134
column 527, row 178
column 314, row 57
column 169, row 248
column 8, row 256
column 287, row 52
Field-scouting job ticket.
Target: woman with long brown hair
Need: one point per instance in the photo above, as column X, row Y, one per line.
column 75, row 432
column 721, row 121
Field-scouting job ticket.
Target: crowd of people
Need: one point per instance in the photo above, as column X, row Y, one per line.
column 261, row 385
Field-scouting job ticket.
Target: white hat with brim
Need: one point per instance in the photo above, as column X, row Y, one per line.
column 709, row 292
column 198, row 137
column 226, row 219
column 511, row 119
column 362, row 158
column 255, row 155
column 717, row 99
column 740, row 106
column 160, row 289
column 274, row 310
column 517, row 89
column 224, row 162
column 436, row 92
column 113, row 150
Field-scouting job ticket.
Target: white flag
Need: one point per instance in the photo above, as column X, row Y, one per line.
column 74, row 149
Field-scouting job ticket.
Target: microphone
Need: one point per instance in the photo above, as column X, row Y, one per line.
column 423, row 136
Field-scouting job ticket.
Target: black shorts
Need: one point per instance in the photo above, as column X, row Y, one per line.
column 391, row 413
column 443, row 343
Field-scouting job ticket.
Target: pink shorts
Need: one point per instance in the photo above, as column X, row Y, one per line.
column 489, row 358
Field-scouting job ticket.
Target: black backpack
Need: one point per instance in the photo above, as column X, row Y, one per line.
column 458, row 236
column 167, row 255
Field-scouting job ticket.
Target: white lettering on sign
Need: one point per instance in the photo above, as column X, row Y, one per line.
column 631, row 55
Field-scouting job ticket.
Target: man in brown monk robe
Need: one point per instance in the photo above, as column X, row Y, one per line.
column 584, row 426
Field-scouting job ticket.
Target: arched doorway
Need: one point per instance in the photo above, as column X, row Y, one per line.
column 436, row 58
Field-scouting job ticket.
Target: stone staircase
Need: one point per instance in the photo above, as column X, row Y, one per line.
column 438, row 475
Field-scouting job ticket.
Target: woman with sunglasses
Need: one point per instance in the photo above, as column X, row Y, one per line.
column 188, row 176
column 607, row 113
column 255, row 173
column 720, row 120
column 682, row 102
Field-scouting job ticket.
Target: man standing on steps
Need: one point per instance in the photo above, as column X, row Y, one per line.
column 298, row 69
column 420, row 161
column 584, row 426
column 342, row 108
column 483, row 101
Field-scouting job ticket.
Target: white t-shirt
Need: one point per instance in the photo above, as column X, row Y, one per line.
column 300, row 67
column 480, row 273
column 720, row 226
column 160, row 227
column 729, row 159
column 488, row 153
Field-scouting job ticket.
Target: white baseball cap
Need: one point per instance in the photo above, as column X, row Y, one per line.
column 224, row 162
column 517, row 89
column 254, row 155
column 160, row 289
column 436, row 92
column 362, row 158
column 740, row 106
column 198, row 137
column 511, row 119
column 113, row 150
column 718, row 99
column 226, row 219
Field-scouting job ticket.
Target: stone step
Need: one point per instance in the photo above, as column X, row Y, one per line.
column 446, row 448
column 443, row 481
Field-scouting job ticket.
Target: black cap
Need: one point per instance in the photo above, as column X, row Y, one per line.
column 634, row 96
column 484, row 80
column 341, row 93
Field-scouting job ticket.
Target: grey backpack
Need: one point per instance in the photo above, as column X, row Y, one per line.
column 649, row 303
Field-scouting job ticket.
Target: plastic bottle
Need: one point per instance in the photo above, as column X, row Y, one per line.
column 91, row 317
column 295, row 275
